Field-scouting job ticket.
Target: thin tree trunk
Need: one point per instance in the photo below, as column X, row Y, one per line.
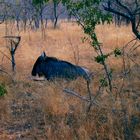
column 55, row 13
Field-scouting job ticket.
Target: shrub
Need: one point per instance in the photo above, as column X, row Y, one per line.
column 3, row 90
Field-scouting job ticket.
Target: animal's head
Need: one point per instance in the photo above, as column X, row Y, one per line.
column 37, row 66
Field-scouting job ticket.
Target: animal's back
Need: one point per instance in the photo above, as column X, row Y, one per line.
column 59, row 69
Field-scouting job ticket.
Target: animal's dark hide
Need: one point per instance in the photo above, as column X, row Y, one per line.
column 53, row 68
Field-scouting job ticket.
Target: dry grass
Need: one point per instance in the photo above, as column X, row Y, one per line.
column 65, row 116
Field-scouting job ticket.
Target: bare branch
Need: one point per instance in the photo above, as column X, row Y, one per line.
column 74, row 13
column 16, row 43
column 137, row 9
column 124, row 6
column 5, row 55
column 129, row 15
column 137, row 5
column 109, row 9
column 76, row 95
column 13, row 47
column 138, row 24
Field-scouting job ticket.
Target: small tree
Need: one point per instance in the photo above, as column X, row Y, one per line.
column 14, row 43
column 57, row 12
column 88, row 14
column 39, row 7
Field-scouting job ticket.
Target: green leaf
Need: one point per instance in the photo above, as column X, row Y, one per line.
column 3, row 90
column 39, row 2
column 117, row 52
column 101, row 58
column 103, row 82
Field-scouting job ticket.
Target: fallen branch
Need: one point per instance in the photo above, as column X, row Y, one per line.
column 70, row 92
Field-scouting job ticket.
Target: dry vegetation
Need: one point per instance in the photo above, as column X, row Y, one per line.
column 34, row 110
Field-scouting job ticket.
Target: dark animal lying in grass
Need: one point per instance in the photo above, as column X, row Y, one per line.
column 53, row 68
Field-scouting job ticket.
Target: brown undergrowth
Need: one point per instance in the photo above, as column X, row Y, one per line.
column 42, row 110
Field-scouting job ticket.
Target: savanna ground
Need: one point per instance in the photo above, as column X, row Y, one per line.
column 40, row 110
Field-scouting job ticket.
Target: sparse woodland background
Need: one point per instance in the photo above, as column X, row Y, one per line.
column 40, row 110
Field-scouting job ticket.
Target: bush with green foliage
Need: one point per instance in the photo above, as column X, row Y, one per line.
column 3, row 90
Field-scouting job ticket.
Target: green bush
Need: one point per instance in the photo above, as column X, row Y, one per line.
column 3, row 90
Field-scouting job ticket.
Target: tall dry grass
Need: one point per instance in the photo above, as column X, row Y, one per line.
column 65, row 116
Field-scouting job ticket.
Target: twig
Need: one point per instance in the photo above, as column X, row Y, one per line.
column 68, row 91
column 5, row 55
column 73, row 93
